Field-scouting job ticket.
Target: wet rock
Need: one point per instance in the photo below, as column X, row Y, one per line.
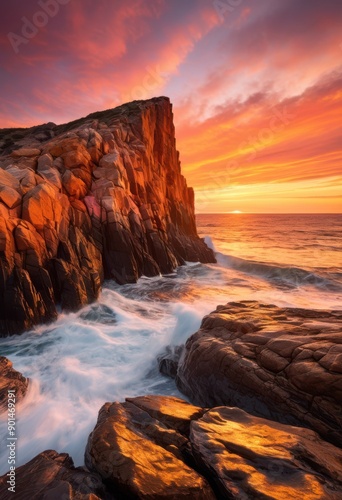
column 282, row 364
column 249, row 457
column 10, row 380
column 137, row 449
column 99, row 313
column 169, row 360
column 52, row 476
column 105, row 195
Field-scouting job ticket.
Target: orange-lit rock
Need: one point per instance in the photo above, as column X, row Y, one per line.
column 106, row 195
column 250, row 457
column 142, row 457
column 163, row 447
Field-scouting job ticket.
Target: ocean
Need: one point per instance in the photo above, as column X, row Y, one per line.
column 108, row 350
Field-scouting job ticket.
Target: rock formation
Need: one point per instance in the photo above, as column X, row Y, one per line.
column 162, row 447
column 11, row 380
column 101, row 197
column 156, row 447
column 282, row 364
column 50, row 476
column 138, row 448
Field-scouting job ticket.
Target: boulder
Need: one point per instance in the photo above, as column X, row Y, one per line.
column 280, row 363
column 163, row 447
column 10, row 197
column 137, row 449
column 249, row 457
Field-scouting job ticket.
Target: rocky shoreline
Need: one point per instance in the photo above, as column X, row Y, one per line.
column 104, row 198
column 163, row 447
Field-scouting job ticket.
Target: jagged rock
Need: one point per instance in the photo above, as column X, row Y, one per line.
column 7, row 179
column 52, row 476
column 105, row 195
column 137, row 449
column 249, row 457
column 10, row 380
column 283, row 364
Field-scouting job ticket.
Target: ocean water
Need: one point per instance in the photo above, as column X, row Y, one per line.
column 108, row 350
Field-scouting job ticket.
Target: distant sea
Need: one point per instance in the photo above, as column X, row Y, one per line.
column 108, row 351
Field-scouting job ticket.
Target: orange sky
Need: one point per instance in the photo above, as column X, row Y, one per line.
column 256, row 87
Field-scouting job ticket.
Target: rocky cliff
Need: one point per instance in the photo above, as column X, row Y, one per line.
column 101, row 197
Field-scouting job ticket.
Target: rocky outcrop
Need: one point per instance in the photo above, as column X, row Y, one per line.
column 157, row 447
column 161, row 447
column 10, row 380
column 52, row 476
column 282, row 364
column 249, row 457
column 139, row 449
column 102, row 197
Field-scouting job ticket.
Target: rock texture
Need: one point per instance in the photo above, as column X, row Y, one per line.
column 162, row 447
column 12, row 380
column 253, row 458
column 50, row 476
column 282, row 364
column 156, row 447
column 102, row 197
column 139, row 449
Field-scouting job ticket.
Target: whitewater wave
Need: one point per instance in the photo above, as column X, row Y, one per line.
column 288, row 276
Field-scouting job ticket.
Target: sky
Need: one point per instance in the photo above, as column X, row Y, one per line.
column 256, row 87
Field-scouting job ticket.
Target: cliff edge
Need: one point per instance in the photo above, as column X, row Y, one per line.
column 99, row 198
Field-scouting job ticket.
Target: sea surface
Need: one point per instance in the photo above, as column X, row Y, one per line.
column 108, row 350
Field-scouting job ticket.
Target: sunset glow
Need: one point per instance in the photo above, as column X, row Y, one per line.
column 256, row 88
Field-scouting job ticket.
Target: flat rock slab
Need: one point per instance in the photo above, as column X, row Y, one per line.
column 253, row 458
column 284, row 364
column 141, row 457
column 10, row 380
column 50, row 476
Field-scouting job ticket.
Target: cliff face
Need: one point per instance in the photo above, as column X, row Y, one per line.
column 101, row 197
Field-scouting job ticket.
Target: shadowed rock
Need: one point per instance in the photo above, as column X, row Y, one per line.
column 101, row 197
column 283, row 364
column 50, row 476
column 10, row 380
